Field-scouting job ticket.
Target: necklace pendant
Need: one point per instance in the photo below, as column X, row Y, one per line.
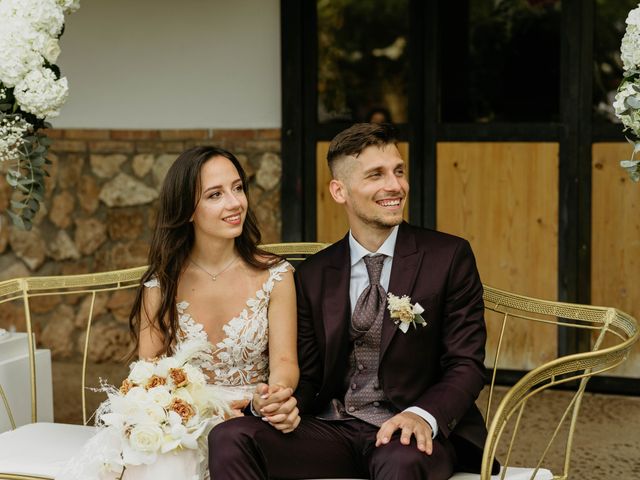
column 214, row 277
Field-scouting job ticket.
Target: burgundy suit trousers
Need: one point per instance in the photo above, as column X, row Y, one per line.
column 248, row 448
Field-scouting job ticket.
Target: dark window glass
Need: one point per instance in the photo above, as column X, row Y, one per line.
column 609, row 28
column 363, row 60
column 500, row 60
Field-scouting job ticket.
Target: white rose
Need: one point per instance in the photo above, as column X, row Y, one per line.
column 141, row 372
column 146, row 438
column 155, row 412
column 160, row 396
column 194, row 375
column 51, row 50
column 137, row 394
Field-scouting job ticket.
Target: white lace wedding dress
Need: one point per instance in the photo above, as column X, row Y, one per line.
column 234, row 365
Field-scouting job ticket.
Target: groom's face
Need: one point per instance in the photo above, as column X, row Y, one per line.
column 373, row 187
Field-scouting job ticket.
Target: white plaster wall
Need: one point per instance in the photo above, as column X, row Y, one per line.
column 172, row 64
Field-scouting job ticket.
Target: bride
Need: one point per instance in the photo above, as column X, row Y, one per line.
column 207, row 279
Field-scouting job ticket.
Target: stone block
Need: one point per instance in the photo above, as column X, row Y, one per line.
column 63, row 248
column 268, row 176
column 125, row 191
column 62, row 206
column 90, row 234
column 111, row 147
column 142, row 164
column 70, row 171
column 109, row 342
column 58, row 333
column 69, row 146
column 29, row 247
column 125, row 223
column 106, row 166
column 89, row 194
column 99, row 308
column 161, row 167
column 120, row 304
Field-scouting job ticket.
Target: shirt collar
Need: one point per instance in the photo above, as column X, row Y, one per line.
column 358, row 251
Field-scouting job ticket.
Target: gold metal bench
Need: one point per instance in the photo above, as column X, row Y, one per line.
column 37, row 450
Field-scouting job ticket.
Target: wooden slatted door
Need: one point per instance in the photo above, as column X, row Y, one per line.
column 615, row 238
column 503, row 198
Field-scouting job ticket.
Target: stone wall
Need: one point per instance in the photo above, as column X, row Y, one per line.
column 98, row 215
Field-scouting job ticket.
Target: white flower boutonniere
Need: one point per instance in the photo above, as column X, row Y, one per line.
column 404, row 313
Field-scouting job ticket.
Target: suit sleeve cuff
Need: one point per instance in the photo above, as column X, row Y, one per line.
column 427, row 417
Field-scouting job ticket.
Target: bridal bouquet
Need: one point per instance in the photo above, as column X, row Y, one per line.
column 164, row 405
column 627, row 101
column 31, row 90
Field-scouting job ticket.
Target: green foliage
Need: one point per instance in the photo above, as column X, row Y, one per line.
column 27, row 176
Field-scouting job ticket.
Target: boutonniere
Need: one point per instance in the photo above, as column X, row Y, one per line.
column 404, row 313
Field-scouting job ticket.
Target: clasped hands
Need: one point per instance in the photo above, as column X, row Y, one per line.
column 277, row 405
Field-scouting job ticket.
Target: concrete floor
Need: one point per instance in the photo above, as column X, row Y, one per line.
column 606, row 444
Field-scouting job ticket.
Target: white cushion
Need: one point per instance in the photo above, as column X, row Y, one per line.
column 513, row 473
column 41, row 449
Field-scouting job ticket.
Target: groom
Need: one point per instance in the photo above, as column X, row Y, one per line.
column 376, row 399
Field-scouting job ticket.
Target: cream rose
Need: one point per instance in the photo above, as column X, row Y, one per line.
column 141, row 372
column 146, row 438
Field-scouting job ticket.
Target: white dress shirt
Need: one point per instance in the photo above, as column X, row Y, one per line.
column 360, row 281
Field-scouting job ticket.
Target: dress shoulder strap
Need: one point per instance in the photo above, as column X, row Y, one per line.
column 153, row 283
column 275, row 274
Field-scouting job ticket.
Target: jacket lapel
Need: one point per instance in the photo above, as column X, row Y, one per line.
column 404, row 271
column 336, row 304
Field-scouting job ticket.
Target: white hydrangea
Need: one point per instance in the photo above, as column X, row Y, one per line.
column 630, row 47
column 13, row 129
column 18, row 52
column 634, row 17
column 630, row 117
column 69, row 6
column 41, row 94
column 44, row 15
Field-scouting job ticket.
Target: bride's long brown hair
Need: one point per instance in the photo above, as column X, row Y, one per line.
column 174, row 236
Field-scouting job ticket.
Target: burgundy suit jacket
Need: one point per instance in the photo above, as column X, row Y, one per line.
column 439, row 368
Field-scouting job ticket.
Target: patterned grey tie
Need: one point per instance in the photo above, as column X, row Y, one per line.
column 371, row 301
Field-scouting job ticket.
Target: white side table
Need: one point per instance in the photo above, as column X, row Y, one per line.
column 15, row 381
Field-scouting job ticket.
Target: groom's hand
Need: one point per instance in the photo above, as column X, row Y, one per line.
column 270, row 396
column 411, row 425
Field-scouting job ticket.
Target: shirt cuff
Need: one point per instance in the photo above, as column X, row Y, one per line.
column 250, row 410
column 430, row 419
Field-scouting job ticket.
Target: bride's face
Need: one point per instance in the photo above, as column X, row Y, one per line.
column 222, row 206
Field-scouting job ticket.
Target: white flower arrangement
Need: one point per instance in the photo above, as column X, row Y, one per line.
column 627, row 102
column 31, row 90
column 403, row 313
column 164, row 405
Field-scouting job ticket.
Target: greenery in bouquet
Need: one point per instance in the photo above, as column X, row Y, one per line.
column 164, row 405
column 31, row 90
column 627, row 101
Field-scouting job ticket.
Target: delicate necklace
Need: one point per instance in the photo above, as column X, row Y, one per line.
column 214, row 276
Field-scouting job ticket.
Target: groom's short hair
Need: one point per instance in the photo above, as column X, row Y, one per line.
column 356, row 138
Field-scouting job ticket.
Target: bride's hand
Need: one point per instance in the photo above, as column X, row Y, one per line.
column 268, row 398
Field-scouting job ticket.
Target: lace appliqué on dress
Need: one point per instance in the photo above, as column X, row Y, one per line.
column 242, row 358
column 189, row 329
